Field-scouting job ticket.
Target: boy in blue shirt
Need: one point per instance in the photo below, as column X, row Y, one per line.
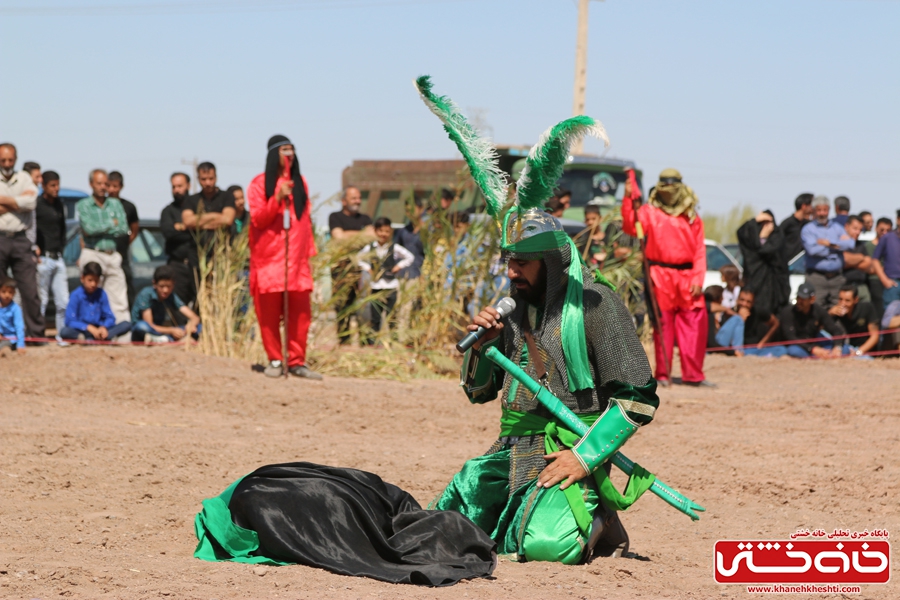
column 12, row 325
column 158, row 313
column 88, row 315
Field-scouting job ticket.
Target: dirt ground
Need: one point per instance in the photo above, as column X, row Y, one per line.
column 106, row 454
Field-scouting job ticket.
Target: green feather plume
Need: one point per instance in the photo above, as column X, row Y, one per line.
column 545, row 162
column 478, row 152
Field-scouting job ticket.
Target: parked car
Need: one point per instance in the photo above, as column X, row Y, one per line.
column 735, row 251
column 797, row 270
column 147, row 253
column 70, row 198
column 716, row 258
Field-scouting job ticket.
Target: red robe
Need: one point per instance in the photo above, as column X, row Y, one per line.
column 267, row 242
column 674, row 241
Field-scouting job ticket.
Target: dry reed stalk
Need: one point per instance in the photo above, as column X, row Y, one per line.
column 229, row 322
column 460, row 274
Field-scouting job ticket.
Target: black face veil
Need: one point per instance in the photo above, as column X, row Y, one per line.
column 273, row 172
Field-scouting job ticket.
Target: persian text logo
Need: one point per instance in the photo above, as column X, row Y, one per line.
column 802, row 561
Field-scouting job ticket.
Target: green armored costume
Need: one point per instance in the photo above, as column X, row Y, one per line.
column 589, row 356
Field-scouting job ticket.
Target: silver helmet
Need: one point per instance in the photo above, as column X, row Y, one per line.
column 530, row 223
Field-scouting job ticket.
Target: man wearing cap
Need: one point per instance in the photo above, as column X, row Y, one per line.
column 825, row 241
column 806, row 320
column 676, row 252
column 278, row 201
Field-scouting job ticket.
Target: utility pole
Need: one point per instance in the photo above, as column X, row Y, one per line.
column 580, row 67
column 193, row 164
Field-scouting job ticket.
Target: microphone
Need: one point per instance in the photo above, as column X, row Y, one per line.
column 288, row 161
column 504, row 307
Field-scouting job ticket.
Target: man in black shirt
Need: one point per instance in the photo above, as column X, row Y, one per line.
column 346, row 224
column 209, row 210
column 791, row 226
column 857, row 263
column 181, row 248
column 751, row 326
column 858, row 319
column 50, row 215
column 114, row 184
column 806, row 320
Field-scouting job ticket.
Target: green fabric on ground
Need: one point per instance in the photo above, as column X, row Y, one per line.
column 519, row 424
column 222, row 540
column 513, row 423
column 480, row 491
column 531, row 523
column 552, row 532
column 536, row 524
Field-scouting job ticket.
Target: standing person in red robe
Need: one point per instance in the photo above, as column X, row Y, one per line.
column 281, row 187
column 676, row 252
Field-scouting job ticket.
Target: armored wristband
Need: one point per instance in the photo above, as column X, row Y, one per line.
column 604, row 438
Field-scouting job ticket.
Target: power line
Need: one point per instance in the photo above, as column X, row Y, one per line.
column 200, row 6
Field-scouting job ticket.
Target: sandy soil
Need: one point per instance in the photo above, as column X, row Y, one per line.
column 107, row 453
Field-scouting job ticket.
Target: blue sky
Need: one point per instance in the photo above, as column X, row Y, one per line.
column 754, row 102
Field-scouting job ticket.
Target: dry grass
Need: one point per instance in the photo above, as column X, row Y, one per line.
column 460, row 273
column 229, row 322
column 723, row 228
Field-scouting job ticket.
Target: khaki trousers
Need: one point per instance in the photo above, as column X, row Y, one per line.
column 113, row 281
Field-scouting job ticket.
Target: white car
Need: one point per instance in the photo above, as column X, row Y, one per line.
column 797, row 270
column 716, row 258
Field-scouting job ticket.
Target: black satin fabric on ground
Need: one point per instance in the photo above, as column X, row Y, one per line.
column 353, row 523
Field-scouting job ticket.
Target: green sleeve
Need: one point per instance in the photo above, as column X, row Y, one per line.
column 479, row 377
column 121, row 225
column 639, row 402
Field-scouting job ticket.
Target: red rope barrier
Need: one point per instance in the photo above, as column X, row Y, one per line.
column 96, row 342
column 811, row 341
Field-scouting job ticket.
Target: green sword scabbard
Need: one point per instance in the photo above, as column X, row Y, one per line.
column 571, row 420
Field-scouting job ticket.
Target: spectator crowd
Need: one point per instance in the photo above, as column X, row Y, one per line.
column 849, row 264
column 845, row 268
column 105, row 307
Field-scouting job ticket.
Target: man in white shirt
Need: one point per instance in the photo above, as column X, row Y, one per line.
column 18, row 198
column 382, row 260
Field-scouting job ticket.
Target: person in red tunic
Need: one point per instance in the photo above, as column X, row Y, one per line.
column 281, row 189
column 676, row 252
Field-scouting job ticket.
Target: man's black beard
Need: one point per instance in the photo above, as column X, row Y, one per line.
column 178, row 198
column 531, row 295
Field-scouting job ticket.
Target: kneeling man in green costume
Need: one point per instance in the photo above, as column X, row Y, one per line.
column 541, row 492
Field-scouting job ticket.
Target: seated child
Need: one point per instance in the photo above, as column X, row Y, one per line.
column 12, row 325
column 88, row 315
column 158, row 313
column 731, row 277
